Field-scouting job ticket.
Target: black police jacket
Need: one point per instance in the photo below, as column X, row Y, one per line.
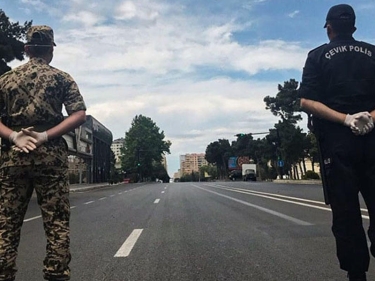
column 341, row 75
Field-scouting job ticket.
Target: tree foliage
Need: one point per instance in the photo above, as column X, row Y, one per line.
column 286, row 103
column 218, row 153
column 210, row 170
column 12, row 36
column 312, row 149
column 143, row 148
column 291, row 143
column 243, row 145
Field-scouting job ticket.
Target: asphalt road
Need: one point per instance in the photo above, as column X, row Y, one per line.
column 193, row 231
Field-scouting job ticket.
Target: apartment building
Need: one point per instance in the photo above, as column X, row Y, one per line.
column 116, row 148
column 191, row 163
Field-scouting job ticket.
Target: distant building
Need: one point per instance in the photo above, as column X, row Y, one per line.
column 191, row 163
column 89, row 152
column 116, row 147
column 177, row 175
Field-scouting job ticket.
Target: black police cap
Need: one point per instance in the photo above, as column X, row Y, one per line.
column 341, row 12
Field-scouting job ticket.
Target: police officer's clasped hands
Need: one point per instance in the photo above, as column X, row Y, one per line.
column 23, row 141
column 360, row 123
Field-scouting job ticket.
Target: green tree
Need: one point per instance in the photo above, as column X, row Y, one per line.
column 292, row 146
column 218, row 153
column 210, row 169
column 159, row 172
column 286, row 103
column 291, row 143
column 312, row 149
column 143, row 147
column 11, row 37
column 243, row 145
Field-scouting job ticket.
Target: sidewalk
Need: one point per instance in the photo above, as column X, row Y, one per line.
column 87, row 186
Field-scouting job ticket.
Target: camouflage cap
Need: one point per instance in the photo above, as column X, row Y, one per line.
column 40, row 35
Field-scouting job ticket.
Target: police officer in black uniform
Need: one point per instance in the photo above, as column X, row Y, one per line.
column 338, row 89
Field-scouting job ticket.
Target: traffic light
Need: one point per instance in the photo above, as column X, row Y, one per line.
column 138, row 164
column 240, row 135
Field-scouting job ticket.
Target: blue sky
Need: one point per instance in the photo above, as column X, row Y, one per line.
column 198, row 69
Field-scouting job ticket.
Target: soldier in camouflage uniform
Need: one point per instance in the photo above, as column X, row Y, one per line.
column 32, row 96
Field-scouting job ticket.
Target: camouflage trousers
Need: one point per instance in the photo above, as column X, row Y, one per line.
column 16, row 188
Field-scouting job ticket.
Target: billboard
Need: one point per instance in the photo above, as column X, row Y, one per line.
column 235, row 162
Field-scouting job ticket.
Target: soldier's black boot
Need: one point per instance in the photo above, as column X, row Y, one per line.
column 357, row 276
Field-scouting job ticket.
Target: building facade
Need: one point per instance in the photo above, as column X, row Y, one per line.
column 89, row 152
column 191, row 163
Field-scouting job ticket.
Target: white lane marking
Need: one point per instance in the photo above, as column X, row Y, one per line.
column 273, row 197
column 269, row 211
column 156, row 201
column 129, row 243
column 102, row 198
column 38, row 217
column 86, row 203
column 112, row 195
column 120, row 193
column 33, row 218
column 162, row 191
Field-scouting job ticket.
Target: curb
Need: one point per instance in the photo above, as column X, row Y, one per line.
column 298, row 181
column 86, row 188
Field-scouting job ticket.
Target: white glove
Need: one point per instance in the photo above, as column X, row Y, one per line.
column 365, row 125
column 40, row 137
column 24, row 142
column 360, row 123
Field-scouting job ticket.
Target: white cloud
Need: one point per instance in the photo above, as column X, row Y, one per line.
column 87, row 18
column 130, row 10
column 293, row 14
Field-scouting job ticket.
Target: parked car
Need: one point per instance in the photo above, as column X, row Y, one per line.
column 235, row 175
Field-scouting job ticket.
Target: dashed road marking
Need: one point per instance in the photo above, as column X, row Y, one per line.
column 129, row 243
column 33, row 218
column 156, row 201
column 86, row 203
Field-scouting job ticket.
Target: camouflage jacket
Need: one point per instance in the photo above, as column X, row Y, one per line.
column 34, row 94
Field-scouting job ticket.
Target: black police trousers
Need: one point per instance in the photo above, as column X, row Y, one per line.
column 350, row 171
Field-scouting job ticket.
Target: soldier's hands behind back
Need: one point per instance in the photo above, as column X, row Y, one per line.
column 361, row 123
column 24, row 142
column 40, row 137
